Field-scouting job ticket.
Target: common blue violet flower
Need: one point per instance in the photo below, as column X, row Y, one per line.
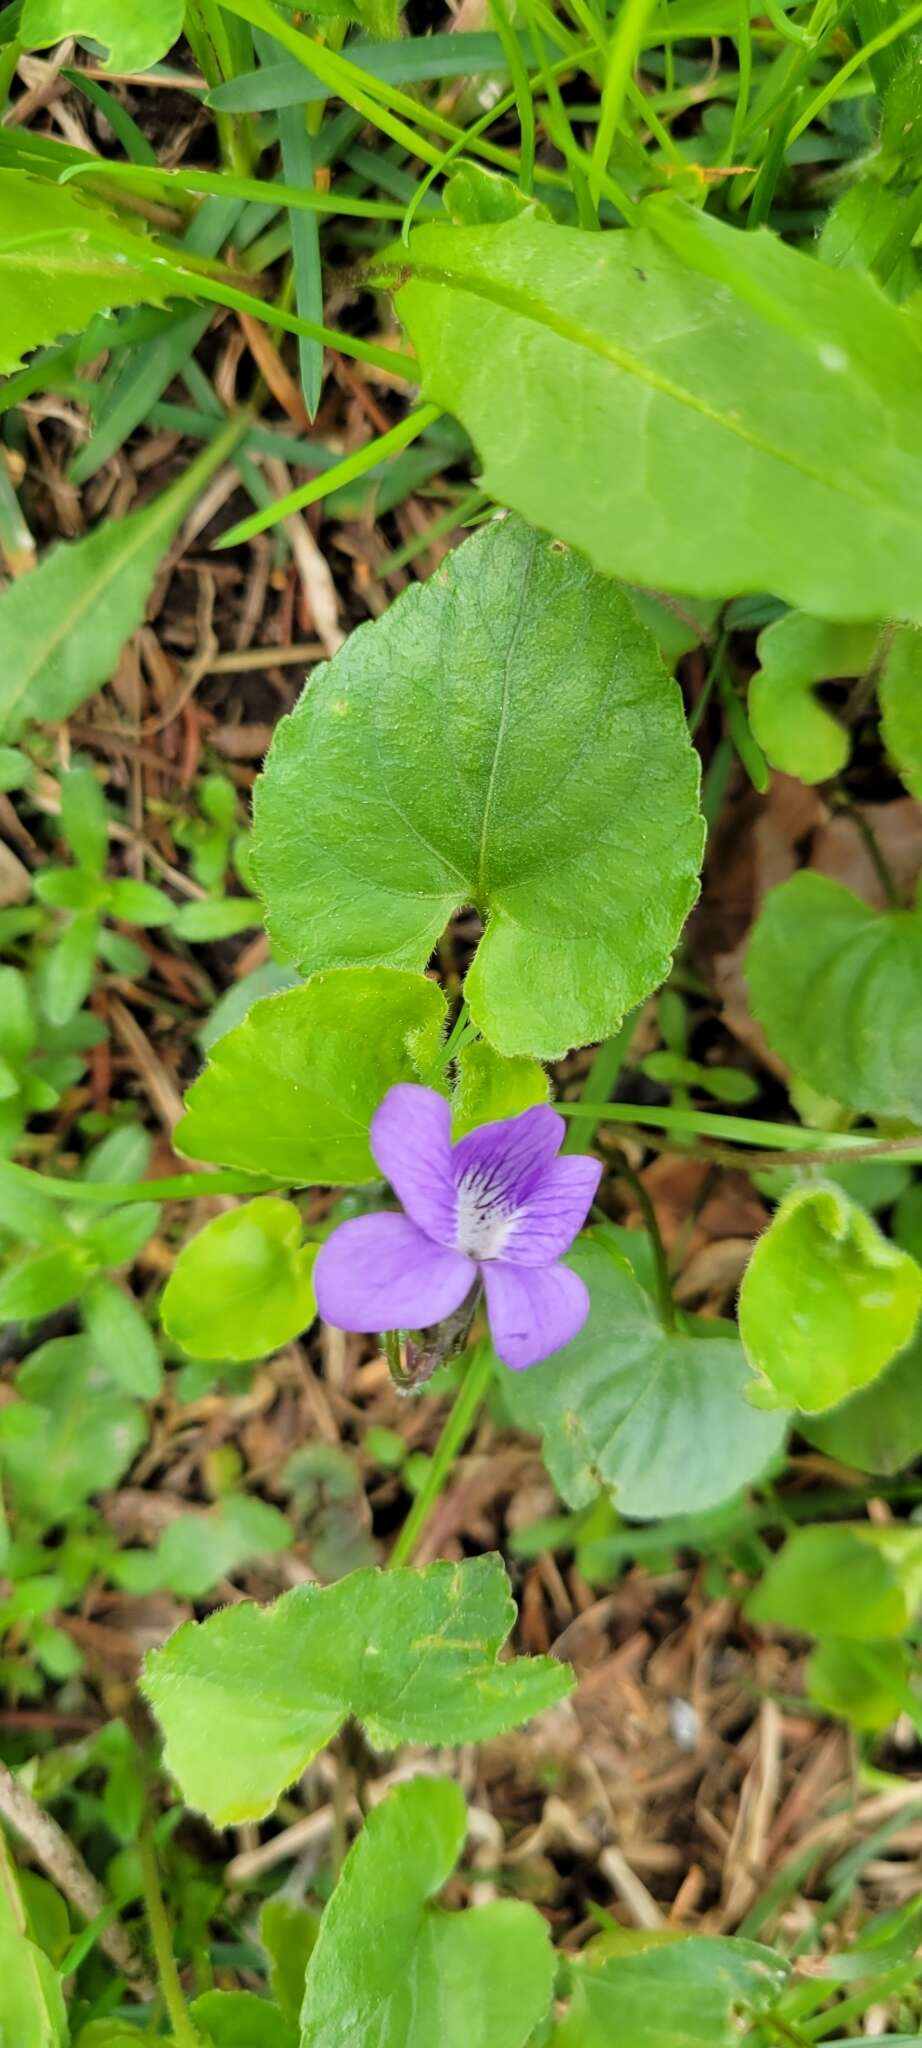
column 499, row 1205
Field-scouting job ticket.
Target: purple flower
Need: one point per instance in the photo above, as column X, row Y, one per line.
column 499, row 1205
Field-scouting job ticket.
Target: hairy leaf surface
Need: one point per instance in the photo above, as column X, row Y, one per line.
column 249, row 1696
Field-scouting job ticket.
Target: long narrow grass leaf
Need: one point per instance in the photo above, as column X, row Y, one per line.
column 345, row 472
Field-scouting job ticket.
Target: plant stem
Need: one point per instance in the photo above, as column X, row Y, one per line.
column 162, row 1942
column 460, row 1421
column 738, row 1130
column 451, row 1045
column 606, row 1065
column 661, row 1263
column 182, row 1187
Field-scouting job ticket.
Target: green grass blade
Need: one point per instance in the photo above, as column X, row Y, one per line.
column 345, row 472
column 412, row 62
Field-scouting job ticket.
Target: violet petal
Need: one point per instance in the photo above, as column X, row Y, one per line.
column 549, row 1220
column 533, row 1310
column 508, row 1158
column 381, row 1273
column 411, row 1141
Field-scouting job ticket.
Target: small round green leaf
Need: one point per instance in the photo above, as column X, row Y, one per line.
column 837, row 988
column 795, row 730
column 121, row 1337
column 863, row 1683
column 505, row 736
column 135, row 37
column 491, row 1087
column 658, row 1416
column 826, row 1299
column 243, row 1286
column 292, row 1090
column 239, row 2019
column 852, row 1579
column 70, row 1434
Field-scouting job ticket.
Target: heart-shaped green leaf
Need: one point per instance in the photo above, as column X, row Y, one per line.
column 657, row 1416
column 505, row 736
column 393, row 1968
column 292, row 1090
column 838, row 989
column 243, row 1286
column 249, row 1696
column 826, row 1299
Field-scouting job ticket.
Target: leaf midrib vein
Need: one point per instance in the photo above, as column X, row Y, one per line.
column 525, row 307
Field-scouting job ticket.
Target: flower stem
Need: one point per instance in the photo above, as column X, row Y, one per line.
column 459, row 1424
column 607, row 1062
column 190, row 1187
column 460, row 1031
column 663, row 1285
column 184, row 2032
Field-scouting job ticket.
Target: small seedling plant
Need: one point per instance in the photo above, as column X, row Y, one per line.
column 674, row 387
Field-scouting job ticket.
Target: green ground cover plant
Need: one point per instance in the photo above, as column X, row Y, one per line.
column 631, row 323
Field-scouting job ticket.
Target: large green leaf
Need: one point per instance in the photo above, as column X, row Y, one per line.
column 504, row 736
column 838, row 989
column 134, row 36
column 701, row 1992
column 63, row 627
column 249, row 1696
column 657, row 1416
column 391, row 1968
column 826, row 1299
column 64, row 258
column 292, row 1090
column 708, row 411
column 878, row 1429
column 850, row 1579
column 243, row 1286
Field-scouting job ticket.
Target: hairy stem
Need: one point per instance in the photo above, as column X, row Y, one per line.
column 162, row 1941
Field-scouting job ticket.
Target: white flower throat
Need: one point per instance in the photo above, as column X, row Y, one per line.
column 485, row 1222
